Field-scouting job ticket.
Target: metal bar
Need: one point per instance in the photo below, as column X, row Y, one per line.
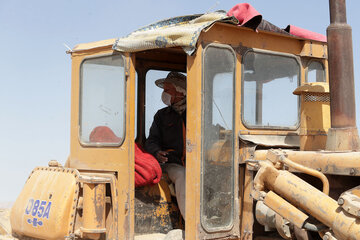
column 259, row 103
column 285, row 209
column 93, row 210
column 345, row 163
column 141, row 88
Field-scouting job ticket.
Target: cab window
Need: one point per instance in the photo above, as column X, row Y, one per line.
column 217, row 182
column 315, row 72
column 102, row 101
column 267, row 93
column 153, row 97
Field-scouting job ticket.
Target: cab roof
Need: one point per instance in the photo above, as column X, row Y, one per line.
column 180, row 31
column 184, row 31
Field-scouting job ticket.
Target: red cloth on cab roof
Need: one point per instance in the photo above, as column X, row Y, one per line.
column 246, row 14
column 249, row 17
column 243, row 12
column 300, row 32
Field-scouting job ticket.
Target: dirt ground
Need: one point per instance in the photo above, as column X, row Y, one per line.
column 5, row 228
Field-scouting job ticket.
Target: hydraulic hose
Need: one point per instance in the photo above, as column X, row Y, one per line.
column 308, row 171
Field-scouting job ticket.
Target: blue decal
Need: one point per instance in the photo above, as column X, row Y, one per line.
column 47, row 211
column 35, row 222
column 39, row 210
column 29, row 206
column 35, row 208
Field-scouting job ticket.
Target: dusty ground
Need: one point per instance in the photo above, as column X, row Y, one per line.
column 5, row 228
column 155, row 236
column 176, row 234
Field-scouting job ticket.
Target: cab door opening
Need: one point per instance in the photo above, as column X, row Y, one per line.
column 156, row 210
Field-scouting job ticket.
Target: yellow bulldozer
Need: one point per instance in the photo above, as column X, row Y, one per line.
column 272, row 148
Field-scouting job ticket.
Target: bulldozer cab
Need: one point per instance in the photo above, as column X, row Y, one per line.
column 240, row 87
column 247, row 91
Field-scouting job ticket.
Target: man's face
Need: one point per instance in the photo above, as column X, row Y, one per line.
column 175, row 95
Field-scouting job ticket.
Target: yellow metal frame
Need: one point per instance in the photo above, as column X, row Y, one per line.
column 107, row 159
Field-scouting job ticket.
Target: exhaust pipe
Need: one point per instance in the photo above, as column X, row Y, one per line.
column 343, row 134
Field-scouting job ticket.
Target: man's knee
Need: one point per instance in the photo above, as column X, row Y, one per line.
column 176, row 172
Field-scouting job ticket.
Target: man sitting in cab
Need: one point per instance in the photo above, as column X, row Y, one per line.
column 166, row 139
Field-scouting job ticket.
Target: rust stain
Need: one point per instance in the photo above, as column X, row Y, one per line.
column 99, row 203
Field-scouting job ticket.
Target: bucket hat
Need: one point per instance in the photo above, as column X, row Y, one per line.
column 177, row 79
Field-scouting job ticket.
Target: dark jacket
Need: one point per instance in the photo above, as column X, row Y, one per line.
column 166, row 134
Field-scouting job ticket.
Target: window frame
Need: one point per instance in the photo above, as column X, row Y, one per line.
column 234, row 207
column 273, row 53
column 81, row 84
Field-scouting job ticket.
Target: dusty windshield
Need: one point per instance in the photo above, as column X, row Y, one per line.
column 268, row 84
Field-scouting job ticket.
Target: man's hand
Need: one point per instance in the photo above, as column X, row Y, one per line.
column 161, row 156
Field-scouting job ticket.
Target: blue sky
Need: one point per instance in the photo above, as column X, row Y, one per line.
column 35, row 70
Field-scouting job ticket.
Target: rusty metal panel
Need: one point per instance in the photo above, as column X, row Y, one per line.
column 46, row 204
column 343, row 134
column 93, row 210
column 341, row 67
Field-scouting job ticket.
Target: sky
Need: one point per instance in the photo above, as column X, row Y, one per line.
column 35, row 69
